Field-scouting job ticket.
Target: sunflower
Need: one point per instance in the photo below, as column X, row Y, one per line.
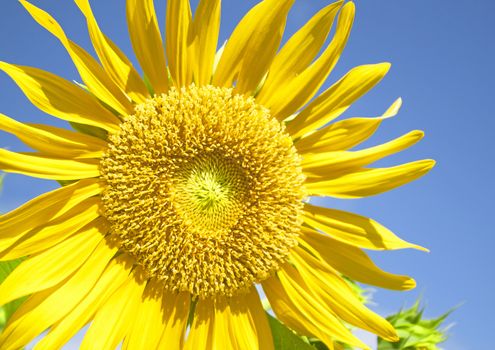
column 186, row 190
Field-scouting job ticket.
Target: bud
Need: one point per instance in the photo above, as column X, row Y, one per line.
column 416, row 332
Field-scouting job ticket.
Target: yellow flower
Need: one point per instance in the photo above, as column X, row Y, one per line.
column 194, row 195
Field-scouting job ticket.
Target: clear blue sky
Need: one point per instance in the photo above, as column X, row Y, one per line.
column 443, row 66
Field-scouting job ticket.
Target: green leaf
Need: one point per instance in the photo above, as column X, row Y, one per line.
column 284, row 338
column 319, row 345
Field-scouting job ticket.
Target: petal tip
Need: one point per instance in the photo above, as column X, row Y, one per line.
column 409, row 284
column 423, row 249
column 418, row 247
column 429, row 164
column 393, row 339
column 386, row 66
column 418, row 134
column 27, row 5
column 350, row 5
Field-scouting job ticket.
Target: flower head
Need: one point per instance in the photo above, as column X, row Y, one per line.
column 187, row 190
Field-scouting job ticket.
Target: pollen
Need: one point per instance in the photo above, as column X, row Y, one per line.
column 205, row 189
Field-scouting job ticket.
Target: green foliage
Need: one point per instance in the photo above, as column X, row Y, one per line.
column 337, row 345
column 285, row 339
column 415, row 332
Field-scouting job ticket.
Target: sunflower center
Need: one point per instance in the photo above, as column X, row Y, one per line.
column 205, row 189
column 211, row 191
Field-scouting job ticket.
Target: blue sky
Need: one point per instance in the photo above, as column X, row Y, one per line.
column 442, row 55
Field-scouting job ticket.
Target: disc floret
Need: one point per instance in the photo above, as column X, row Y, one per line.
column 205, row 190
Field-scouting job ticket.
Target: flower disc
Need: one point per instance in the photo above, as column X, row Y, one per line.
column 204, row 187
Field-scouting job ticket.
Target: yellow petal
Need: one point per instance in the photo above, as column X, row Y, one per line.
column 206, row 29
column 286, row 311
column 320, row 165
column 300, row 50
column 368, row 182
column 296, row 93
column 245, row 43
column 235, row 323
column 333, row 291
column 54, row 141
column 148, row 325
column 46, row 308
column 44, row 167
column 78, row 219
column 113, row 320
column 353, row 229
column 60, row 98
column 241, row 323
column 337, row 99
column 175, row 308
column 252, row 304
column 344, row 134
column 352, row 261
column 294, row 305
column 178, row 41
column 116, row 64
column 112, row 279
column 147, row 42
column 222, row 334
column 51, row 266
column 262, row 45
column 202, row 329
column 218, row 56
column 233, row 331
column 95, row 143
column 302, row 296
column 48, row 206
column 93, row 75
